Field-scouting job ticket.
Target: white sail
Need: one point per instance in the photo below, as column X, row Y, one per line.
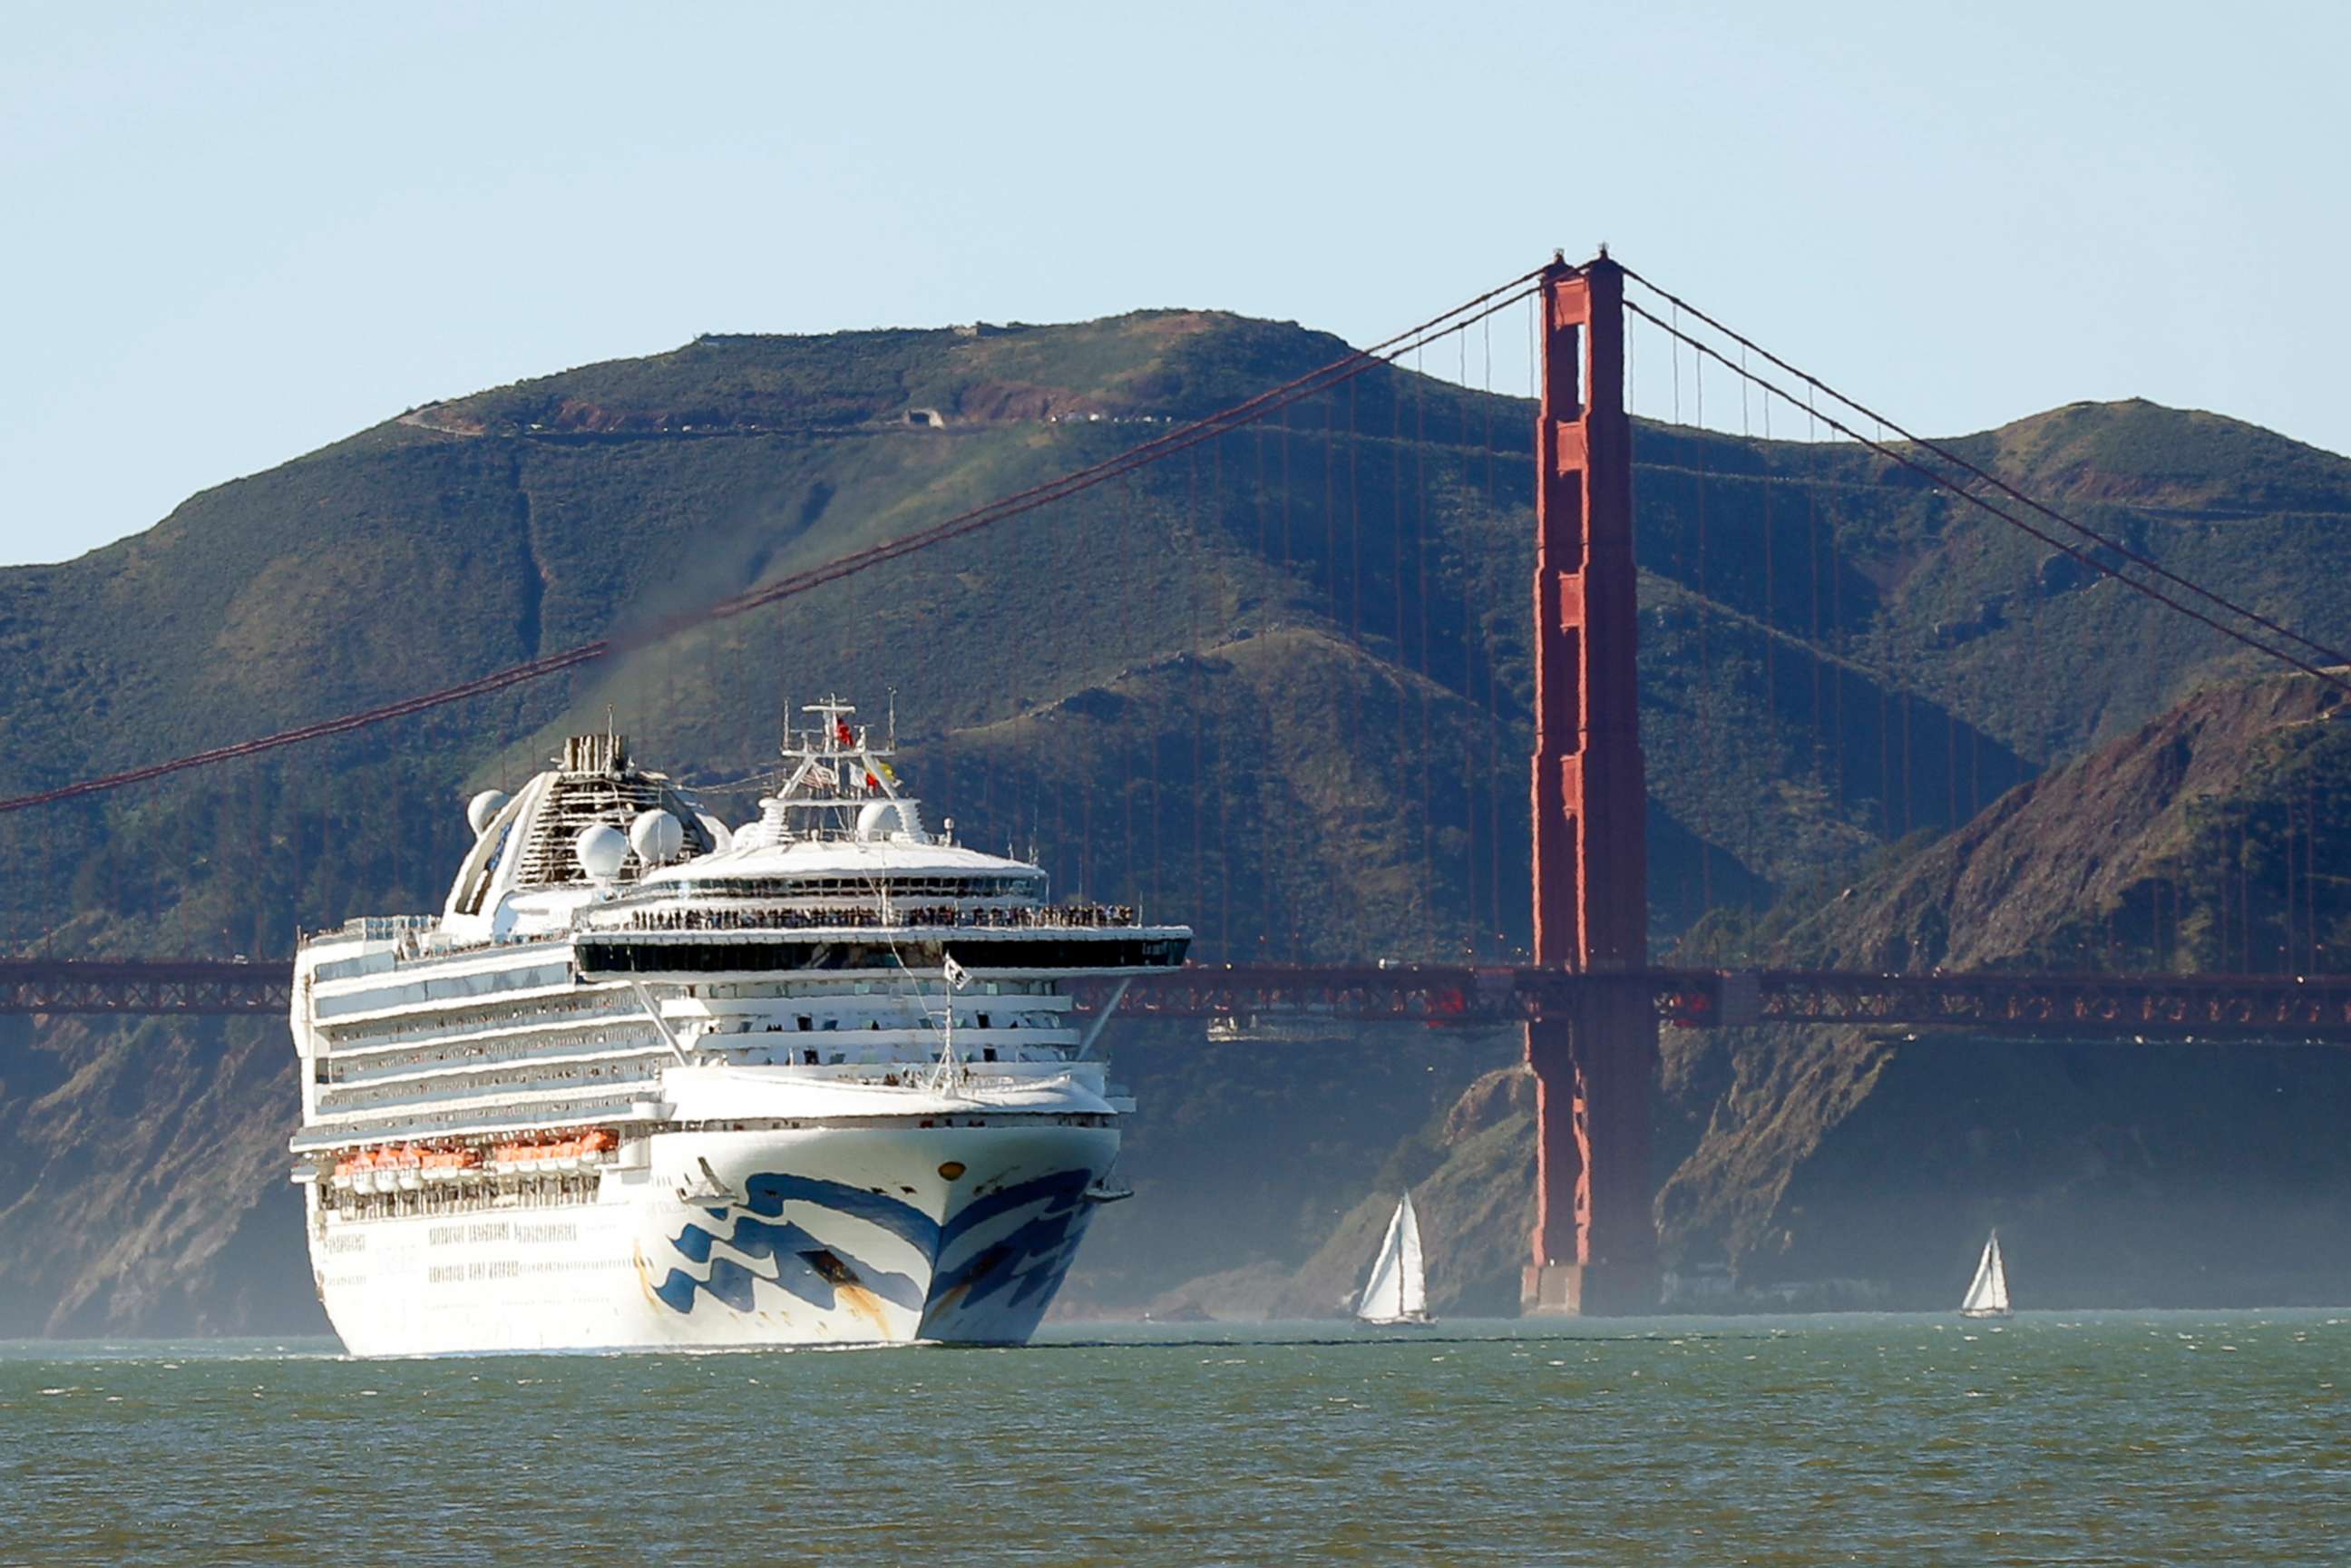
column 1398, row 1288
column 1988, row 1294
column 1412, row 1274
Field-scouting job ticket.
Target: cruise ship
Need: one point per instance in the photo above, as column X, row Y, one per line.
column 648, row 1082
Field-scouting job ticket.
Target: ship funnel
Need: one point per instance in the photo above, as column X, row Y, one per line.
column 596, row 754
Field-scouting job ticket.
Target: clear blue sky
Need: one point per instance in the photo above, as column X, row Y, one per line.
column 235, row 234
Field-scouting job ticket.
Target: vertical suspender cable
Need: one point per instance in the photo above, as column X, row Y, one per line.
column 1493, row 700
column 1464, row 534
column 1770, row 594
column 1395, row 551
column 1196, row 691
column 1289, row 544
column 1224, row 728
column 1709, row 776
column 1331, row 502
column 1420, row 577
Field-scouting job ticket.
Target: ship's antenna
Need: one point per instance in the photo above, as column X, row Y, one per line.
column 894, row 719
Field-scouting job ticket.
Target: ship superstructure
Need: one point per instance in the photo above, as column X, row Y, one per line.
column 647, row 1081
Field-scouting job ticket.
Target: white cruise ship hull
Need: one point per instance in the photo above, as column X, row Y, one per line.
column 867, row 1234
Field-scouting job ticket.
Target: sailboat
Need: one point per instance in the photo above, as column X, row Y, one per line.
column 1397, row 1291
column 1988, row 1296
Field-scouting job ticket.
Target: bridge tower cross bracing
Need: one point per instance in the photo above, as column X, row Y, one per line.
column 1596, row 1242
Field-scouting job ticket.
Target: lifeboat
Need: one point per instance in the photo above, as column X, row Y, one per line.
column 538, row 1157
column 445, row 1164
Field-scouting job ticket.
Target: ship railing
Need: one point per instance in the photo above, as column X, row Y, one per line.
column 603, row 1008
column 370, row 928
column 1063, row 917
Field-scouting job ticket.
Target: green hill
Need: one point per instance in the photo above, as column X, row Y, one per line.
column 1277, row 687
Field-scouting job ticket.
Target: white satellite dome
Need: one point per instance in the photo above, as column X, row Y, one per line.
column 722, row 836
column 880, row 819
column 483, row 809
column 601, row 852
column 657, row 835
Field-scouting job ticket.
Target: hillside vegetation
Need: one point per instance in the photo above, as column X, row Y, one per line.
column 1276, row 688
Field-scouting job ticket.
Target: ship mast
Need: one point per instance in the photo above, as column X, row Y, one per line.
column 836, row 768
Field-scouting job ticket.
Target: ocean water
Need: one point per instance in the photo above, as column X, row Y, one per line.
column 2096, row 1438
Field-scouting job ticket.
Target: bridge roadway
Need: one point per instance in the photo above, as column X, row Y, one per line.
column 2273, row 1007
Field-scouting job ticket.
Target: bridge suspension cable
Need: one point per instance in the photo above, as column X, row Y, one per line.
column 1678, row 306
column 1318, row 380
column 1944, row 481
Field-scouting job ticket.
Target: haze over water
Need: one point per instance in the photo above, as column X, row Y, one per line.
column 2090, row 1439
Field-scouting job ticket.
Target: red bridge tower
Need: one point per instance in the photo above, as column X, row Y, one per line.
column 1595, row 1239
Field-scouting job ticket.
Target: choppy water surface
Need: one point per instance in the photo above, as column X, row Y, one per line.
column 2171, row 1438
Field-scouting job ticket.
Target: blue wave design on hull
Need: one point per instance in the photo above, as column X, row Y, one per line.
column 1065, row 1186
column 1025, row 1267
column 759, row 1232
column 1018, row 1274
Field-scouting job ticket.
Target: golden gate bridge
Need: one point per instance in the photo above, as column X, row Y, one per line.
column 1589, row 1001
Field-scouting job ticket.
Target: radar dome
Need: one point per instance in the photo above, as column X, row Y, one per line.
column 657, row 835
column 601, row 852
column 880, row 819
column 483, row 809
column 722, row 836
